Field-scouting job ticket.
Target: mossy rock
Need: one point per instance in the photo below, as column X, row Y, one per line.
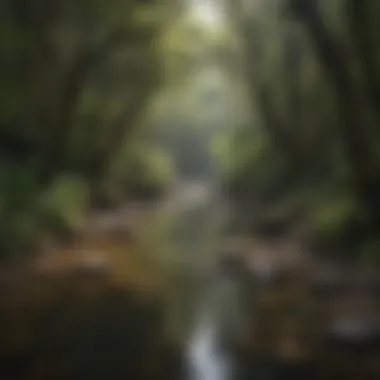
column 61, row 209
column 331, row 218
column 369, row 252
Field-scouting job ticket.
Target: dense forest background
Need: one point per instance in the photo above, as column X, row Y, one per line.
column 76, row 77
column 91, row 94
column 313, row 73
column 133, row 112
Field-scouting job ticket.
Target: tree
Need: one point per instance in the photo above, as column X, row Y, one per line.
column 354, row 132
column 76, row 78
column 313, row 76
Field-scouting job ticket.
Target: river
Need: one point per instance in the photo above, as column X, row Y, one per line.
column 209, row 310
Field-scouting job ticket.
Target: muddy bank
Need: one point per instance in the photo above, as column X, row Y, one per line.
column 86, row 310
column 76, row 326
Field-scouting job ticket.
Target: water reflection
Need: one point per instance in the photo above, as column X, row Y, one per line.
column 206, row 360
column 198, row 215
column 219, row 329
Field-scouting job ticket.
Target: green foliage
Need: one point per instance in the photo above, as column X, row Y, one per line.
column 313, row 70
column 331, row 216
column 27, row 215
column 17, row 196
column 370, row 251
column 140, row 169
column 64, row 203
column 75, row 80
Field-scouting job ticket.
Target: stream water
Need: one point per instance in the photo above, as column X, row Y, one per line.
column 211, row 308
column 219, row 327
column 205, row 359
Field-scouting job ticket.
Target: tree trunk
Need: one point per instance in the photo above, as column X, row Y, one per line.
column 357, row 147
column 357, row 12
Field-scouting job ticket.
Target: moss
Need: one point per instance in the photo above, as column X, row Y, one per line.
column 369, row 252
column 330, row 218
column 65, row 200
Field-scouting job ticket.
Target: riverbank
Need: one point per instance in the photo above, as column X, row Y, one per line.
column 313, row 317
column 90, row 309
